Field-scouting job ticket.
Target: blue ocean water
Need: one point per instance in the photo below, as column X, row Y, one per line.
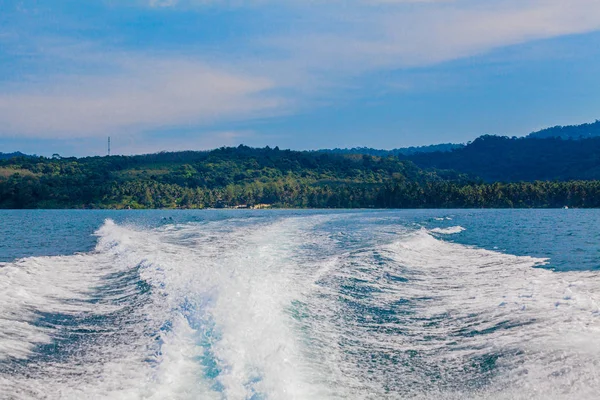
column 298, row 304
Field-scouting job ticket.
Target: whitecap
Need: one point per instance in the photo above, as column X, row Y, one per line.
column 448, row 231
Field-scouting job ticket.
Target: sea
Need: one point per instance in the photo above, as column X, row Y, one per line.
column 300, row 304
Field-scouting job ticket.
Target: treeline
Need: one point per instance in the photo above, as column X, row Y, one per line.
column 576, row 132
column 242, row 176
column 27, row 192
column 539, row 194
column 6, row 156
column 405, row 151
column 394, row 194
column 219, row 178
column 503, row 159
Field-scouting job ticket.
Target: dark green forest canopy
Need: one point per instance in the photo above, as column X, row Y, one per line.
column 570, row 132
column 218, row 178
column 503, row 159
column 6, row 156
column 406, row 151
column 243, row 176
column 582, row 131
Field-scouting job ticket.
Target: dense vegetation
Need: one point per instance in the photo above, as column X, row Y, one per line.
column 243, row 176
column 223, row 177
column 582, row 131
column 503, row 159
column 404, row 151
column 6, row 156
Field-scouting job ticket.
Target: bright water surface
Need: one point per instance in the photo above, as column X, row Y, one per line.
column 430, row 304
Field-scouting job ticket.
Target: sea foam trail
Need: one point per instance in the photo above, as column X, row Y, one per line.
column 43, row 286
column 182, row 312
column 423, row 318
column 294, row 308
column 97, row 317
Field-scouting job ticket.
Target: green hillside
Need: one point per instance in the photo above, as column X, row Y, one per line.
column 503, row 159
column 247, row 177
column 582, row 131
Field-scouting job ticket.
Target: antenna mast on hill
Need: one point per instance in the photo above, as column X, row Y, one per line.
column 109, row 145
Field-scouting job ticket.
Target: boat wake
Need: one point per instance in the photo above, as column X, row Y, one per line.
column 294, row 308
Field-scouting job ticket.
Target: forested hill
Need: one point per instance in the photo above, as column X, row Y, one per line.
column 6, row 156
column 406, row 151
column 245, row 177
column 218, row 178
column 583, row 131
column 502, row 159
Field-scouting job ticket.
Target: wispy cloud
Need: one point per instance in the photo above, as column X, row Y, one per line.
column 162, row 3
column 328, row 46
column 145, row 94
column 393, row 35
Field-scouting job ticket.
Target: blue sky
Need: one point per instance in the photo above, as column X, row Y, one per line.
column 185, row 74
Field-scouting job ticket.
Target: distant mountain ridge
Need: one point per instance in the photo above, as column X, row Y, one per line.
column 504, row 159
column 553, row 154
column 576, row 132
column 404, row 151
column 572, row 132
column 6, row 156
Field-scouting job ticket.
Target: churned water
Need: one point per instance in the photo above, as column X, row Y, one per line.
column 434, row 304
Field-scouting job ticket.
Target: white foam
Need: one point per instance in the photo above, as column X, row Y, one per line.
column 234, row 281
column 448, row 231
column 46, row 285
column 284, row 310
column 465, row 304
column 117, row 361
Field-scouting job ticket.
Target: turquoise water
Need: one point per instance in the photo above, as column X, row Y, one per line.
column 448, row 304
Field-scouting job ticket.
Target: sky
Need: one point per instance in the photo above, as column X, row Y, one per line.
column 168, row 75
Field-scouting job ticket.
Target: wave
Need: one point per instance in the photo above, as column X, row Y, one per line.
column 180, row 312
column 456, row 322
column 448, row 231
column 285, row 309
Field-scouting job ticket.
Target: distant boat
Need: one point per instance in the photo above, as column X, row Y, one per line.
column 566, row 207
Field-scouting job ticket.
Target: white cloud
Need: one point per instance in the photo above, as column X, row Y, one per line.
column 162, row 3
column 395, row 35
column 326, row 47
column 145, row 94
